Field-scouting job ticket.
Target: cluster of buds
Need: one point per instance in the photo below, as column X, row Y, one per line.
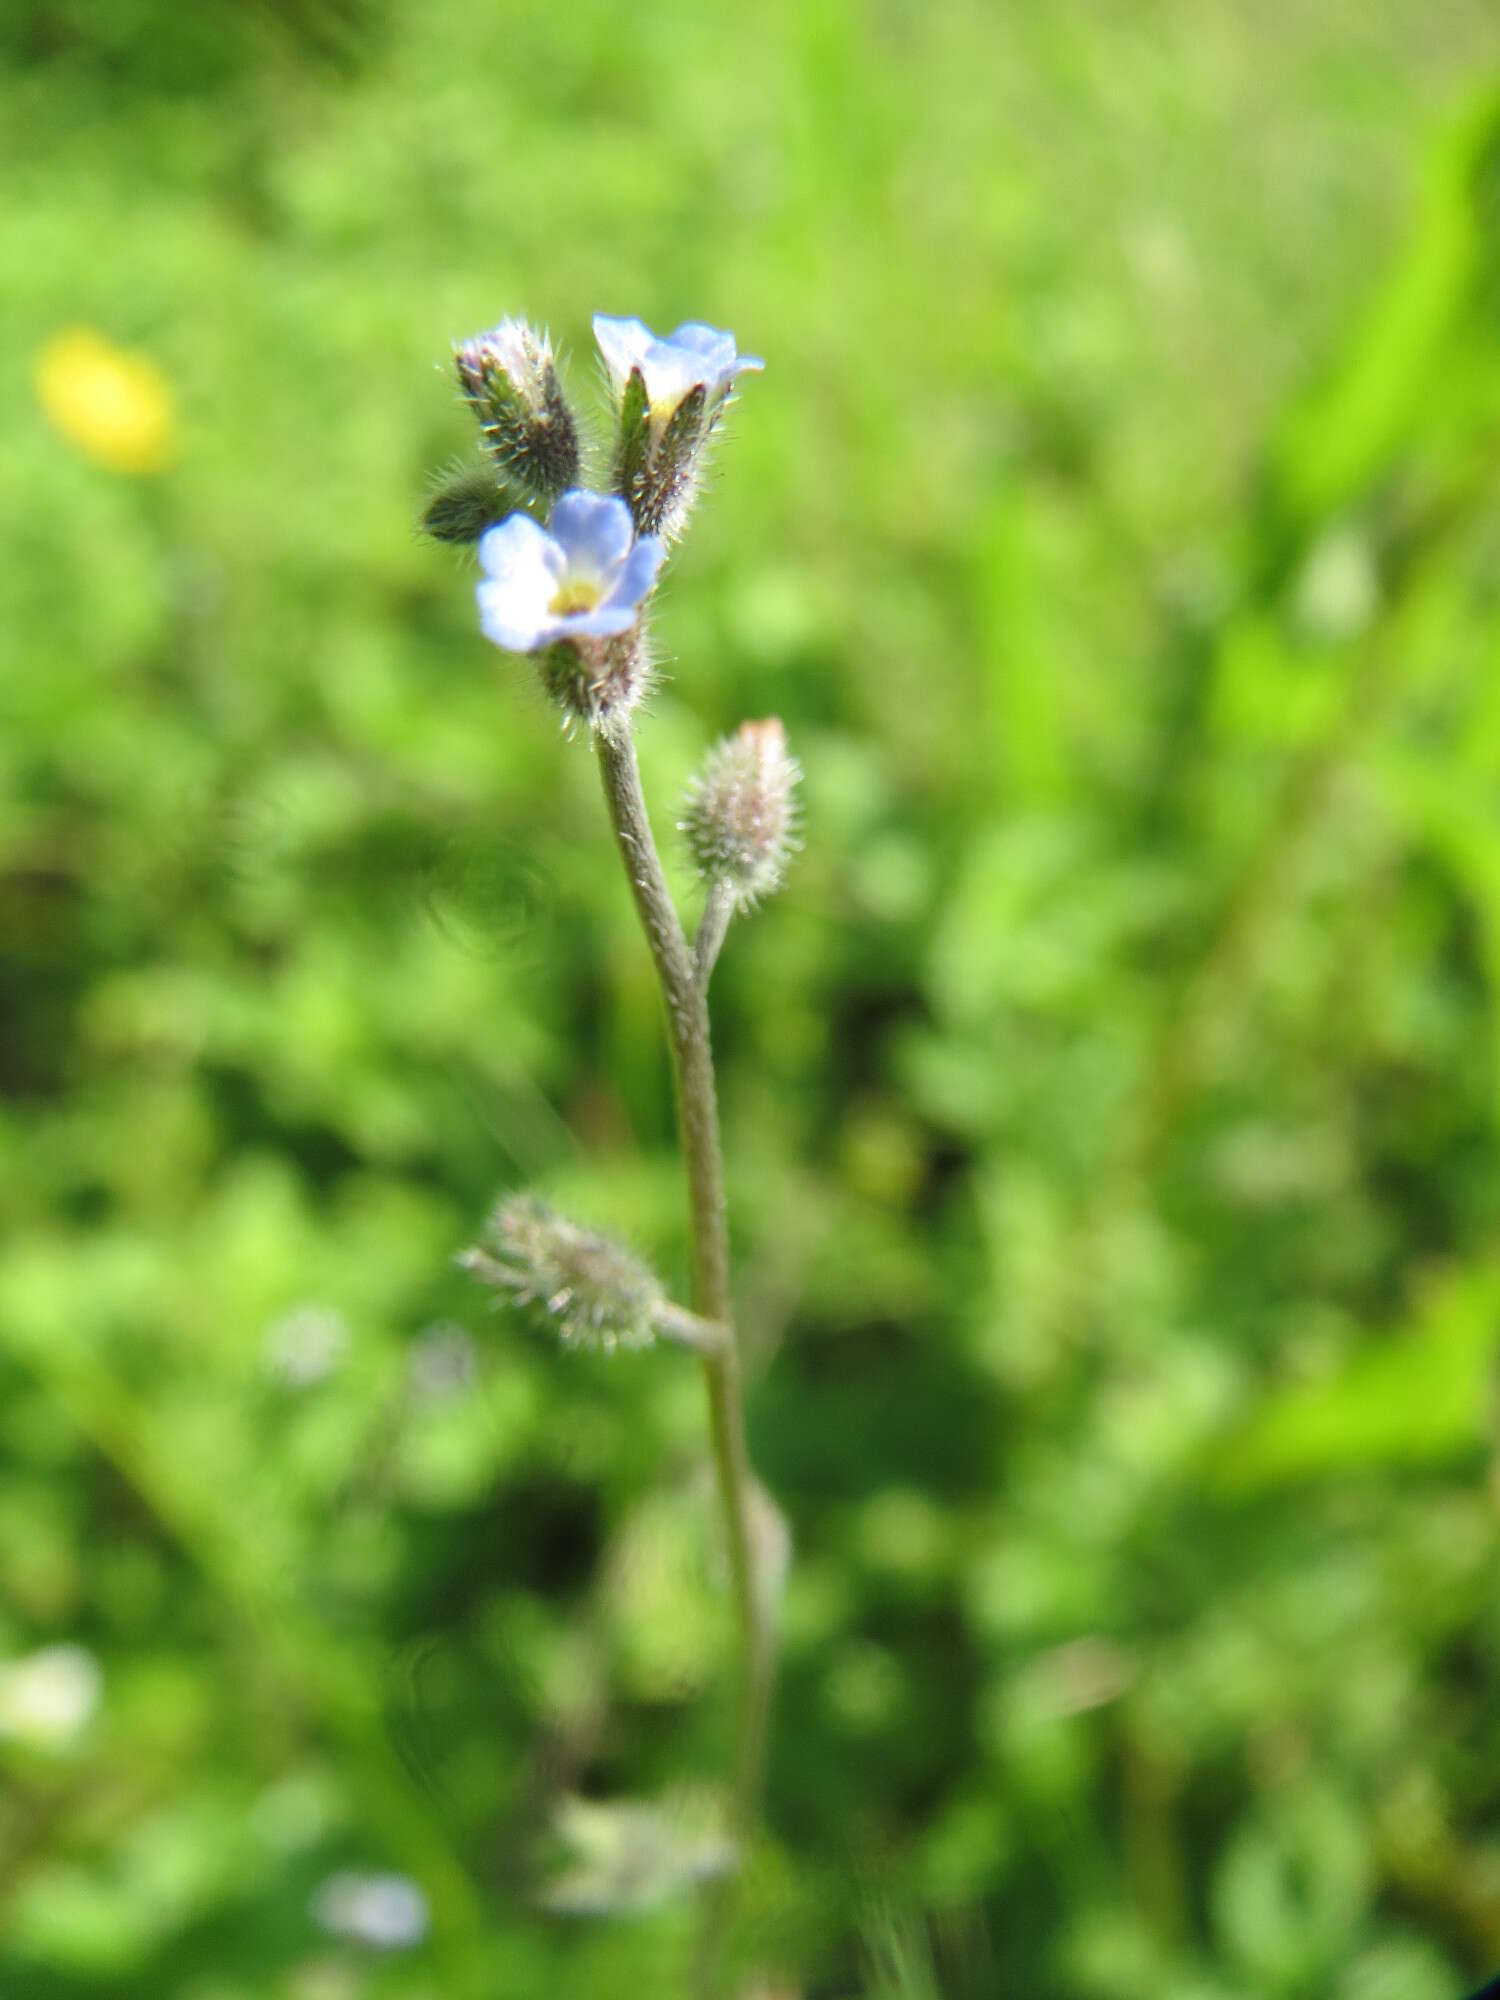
column 591, row 1290
column 740, row 817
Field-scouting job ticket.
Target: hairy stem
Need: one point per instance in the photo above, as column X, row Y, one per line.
column 698, row 1121
column 718, row 912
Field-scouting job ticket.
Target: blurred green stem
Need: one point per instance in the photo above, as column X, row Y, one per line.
column 698, row 1118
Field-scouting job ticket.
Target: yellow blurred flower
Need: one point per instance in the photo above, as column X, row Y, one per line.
column 114, row 404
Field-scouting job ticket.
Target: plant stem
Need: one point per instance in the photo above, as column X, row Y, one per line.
column 698, row 1121
column 688, row 1329
column 718, row 913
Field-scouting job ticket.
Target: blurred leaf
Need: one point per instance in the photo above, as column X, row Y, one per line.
column 1420, row 1396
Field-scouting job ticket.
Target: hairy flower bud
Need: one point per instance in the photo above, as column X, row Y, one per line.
column 592, row 1290
column 510, row 380
column 740, row 817
column 464, row 504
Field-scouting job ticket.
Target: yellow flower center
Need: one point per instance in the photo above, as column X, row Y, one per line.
column 579, row 593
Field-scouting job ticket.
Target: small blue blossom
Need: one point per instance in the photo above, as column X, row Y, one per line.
column 584, row 576
column 692, row 357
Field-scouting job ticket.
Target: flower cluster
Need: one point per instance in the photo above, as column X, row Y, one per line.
column 567, row 572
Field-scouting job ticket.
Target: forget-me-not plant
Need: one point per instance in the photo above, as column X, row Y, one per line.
column 568, row 577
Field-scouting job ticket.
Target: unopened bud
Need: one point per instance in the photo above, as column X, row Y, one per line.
column 466, row 503
column 510, row 380
column 592, row 1290
column 741, row 816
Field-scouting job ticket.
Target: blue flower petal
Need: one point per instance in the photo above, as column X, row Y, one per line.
column 708, row 341
column 605, row 621
column 593, row 530
column 636, row 575
column 716, row 350
column 673, row 372
column 515, row 625
column 518, row 550
column 622, row 342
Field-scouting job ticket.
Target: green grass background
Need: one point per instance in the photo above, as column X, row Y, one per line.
column 1111, row 1098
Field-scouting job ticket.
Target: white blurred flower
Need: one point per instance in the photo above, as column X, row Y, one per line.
column 386, row 1912
column 630, row 1855
column 306, row 1345
column 1338, row 589
column 443, row 1363
column 49, row 1697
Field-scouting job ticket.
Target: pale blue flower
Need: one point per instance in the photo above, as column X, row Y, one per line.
column 306, row 1345
column 695, row 355
column 385, row 1912
column 583, row 576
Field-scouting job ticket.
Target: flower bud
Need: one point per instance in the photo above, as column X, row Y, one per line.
column 740, row 817
column 465, row 503
column 510, row 380
column 592, row 1290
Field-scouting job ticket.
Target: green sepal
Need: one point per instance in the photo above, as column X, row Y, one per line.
column 668, row 484
column 596, row 680
column 684, row 431
column 552, row 445
column 568, row 678
column 633, row 454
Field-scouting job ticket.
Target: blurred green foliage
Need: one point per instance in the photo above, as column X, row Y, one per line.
column 1112, row 1098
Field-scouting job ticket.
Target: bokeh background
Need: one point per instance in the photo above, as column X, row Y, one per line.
column 1111, row 1097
